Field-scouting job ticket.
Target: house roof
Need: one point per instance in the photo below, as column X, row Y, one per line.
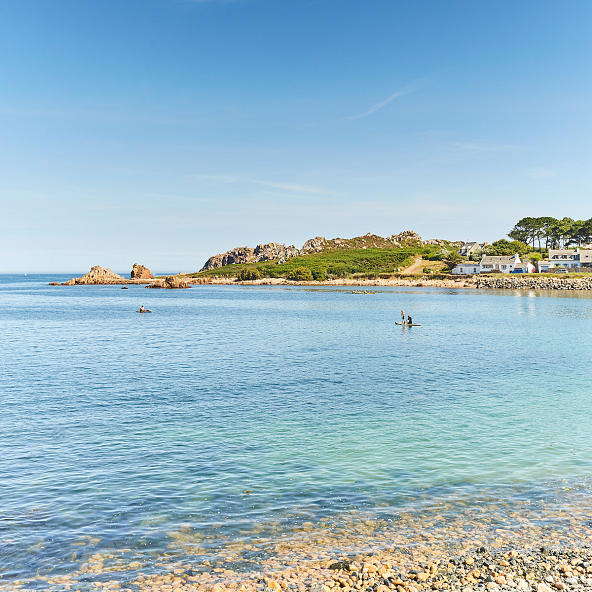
column 558, row 253
column 488, row 259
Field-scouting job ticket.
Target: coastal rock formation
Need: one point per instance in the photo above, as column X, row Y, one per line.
column 171, row 282
column 96, row 275
column 407, row 237
column 267, row 252
column 139, row 272
column 272, row 251
column 314, row 245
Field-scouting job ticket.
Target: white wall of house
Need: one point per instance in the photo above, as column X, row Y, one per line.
column 466, row 269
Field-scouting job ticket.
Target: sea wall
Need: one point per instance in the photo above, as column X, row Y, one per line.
column 534, row 283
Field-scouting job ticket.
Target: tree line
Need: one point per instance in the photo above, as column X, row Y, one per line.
column 552, row 233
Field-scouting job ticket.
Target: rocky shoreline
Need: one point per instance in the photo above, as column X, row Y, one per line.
column 142, row 275
column 481, row 569
column 534, row 283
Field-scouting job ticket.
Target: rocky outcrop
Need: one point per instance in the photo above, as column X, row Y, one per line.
column 407, row 237
column 268, row 252
column 171, row 282
column 96, row 275
column 314, row 245
column 534, row 283
column 273, row 251
column 139, row 272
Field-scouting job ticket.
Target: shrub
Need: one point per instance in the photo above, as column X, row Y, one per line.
column 248, row 274
column 300, row 274
column 318, row 275
column 338, row 270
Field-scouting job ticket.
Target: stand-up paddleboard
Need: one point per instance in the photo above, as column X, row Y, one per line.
column 143, row 311
column 408, row 324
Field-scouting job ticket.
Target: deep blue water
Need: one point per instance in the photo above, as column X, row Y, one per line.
column 129, row 429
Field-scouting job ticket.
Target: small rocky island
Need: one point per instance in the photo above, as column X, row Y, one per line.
column 139, row 275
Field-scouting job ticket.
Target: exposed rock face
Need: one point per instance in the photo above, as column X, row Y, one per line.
column 234, row 256
column 96, row 275
column 171, row 282
column 434, row 241
column 268, row 252
column 314, row 245
column 406, row 237
column 272, row 251
column 139, row 272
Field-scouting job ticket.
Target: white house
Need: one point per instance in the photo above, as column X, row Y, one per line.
column 490, row 263
column 566, row 258
column 467, row 268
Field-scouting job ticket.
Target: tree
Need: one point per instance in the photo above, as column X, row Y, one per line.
column 248, row 274
column 559, row 231
column 548, row 222
column 507, row 248
column 586, row 232
column 523, row 231
column 300, row 274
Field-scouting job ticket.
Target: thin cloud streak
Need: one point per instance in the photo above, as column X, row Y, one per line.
column 410, row 88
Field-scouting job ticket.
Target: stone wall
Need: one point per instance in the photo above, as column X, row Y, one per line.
column 535, row 283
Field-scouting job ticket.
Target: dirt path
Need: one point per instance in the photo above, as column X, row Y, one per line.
column 413, row 268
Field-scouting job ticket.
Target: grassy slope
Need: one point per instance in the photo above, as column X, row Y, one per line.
column 333, row 261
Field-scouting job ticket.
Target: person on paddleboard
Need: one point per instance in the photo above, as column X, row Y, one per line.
column 409, row 321
column 403, row 317
column 142, row 309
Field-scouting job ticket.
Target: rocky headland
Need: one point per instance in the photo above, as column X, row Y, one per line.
column 280, row 253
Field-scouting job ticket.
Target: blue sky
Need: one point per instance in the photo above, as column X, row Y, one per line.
column 164, row 131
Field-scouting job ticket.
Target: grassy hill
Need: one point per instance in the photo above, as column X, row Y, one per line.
column 333, row 262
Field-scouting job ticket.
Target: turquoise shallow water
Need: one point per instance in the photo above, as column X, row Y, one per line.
column 232, row 410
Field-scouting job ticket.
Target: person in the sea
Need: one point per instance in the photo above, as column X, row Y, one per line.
column 409, row 321
column 142, row 309
column 403, row 317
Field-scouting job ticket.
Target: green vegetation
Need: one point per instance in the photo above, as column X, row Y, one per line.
column 332, row 263
column 554, row 233
column 249, row 274
column 300, row 274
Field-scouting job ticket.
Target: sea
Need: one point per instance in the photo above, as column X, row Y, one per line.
column 238, row 423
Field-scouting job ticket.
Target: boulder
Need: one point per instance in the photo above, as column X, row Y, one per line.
column 406, row 237
column 314, row 245
column 171, row 282
column 139, row 272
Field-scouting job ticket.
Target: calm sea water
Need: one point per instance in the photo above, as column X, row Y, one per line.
column 232, row 410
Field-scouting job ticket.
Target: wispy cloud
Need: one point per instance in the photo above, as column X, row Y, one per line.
column 275, row 184
column 410, row 88
column 540, row 173
column 475, row 147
